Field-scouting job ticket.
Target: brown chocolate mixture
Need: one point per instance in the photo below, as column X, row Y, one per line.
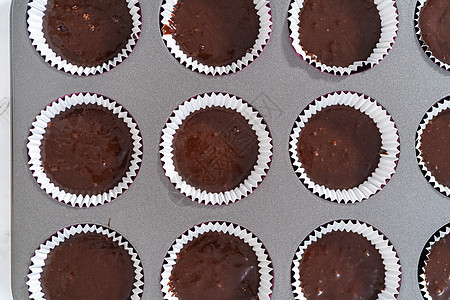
column 342, row 265
column 86, row 150
column 216, row 266
column 339, row 147
column 435, row 147
column 437, row 270
column 215, row 32
column 87, row 33
column 434, row 23
column 88, row 266
column 215, row 149
column 339, row 32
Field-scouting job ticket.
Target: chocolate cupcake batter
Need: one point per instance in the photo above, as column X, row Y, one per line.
column 88, row 266
column 339, row 147
column 342, row 265
column 216, row 266
column 435, row 147
column 215, row 32
column 437, row 270
column 87, row 33
column 215, row 149
column 339, row 32
column 434, row 23
column 86, row 150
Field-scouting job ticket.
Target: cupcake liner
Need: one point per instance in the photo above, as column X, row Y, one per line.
column 40, row 255
column 255, row 121
column 389, row 27
column 264, row 261
column 36, row 12
column 388, row 253
column 264, row 12
column 437, row 236
column 34, row 152
column 419, row 5
column 389, row 143
column 439, row 106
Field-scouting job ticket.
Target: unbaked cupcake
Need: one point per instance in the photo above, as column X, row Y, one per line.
column 81, row 37
column 346, row 259
column 86, row 262
column 217, row 260
column 215, row 37
column 433, row 145
column 215, row 148
column 432, row 23
column 344, row 147
column 434, row 266
column 343, row 36
column 84, row 149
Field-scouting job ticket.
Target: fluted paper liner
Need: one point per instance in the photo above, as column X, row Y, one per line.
column 437, row 236
column 264, row 261
column 389, row 26
column 389, row 143
column 438, row 107
column 40, row 255
column 256, row 122
column 265, row 28
column 36, row 12
column 387, row 251
column 419, row 5
column 34, row 149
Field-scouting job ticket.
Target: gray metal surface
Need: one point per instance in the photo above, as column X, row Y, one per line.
column 281, row 212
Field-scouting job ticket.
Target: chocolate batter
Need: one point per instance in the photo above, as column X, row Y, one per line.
column 86, row 150
column 88, row 266
column 339, row 147
column 339, row 32
column 87, row 33
column 342, row 265
column 437, row 270
column 435, row 147
column 215, row 32
column 216, row 266
column 434, row 23
column 215, row 149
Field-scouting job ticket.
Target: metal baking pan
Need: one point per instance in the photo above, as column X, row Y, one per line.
column 281, row 211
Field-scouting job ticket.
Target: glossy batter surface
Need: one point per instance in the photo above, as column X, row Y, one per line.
column 435, row 147
column 215, row 149
column 215, row 32
column 434, row 23
column 216, row 266
column 339, row 32
column 339, row 147
column 437, row 270
column 88, row 266
column 342, row 265
column 86, row 149
column 87, row 33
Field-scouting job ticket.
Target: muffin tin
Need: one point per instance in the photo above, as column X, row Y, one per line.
column 281, row 212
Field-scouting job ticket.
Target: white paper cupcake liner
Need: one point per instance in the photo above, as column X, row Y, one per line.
column 38, row 260
column 387, row 251
column 265, row 28
column 437, row 236
column 264, row 261
column 423, row 45
column 254, row 119
column 389, row 143
column 438, row 107
column 36, row 12
column 389, row 27
column 34, row 149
